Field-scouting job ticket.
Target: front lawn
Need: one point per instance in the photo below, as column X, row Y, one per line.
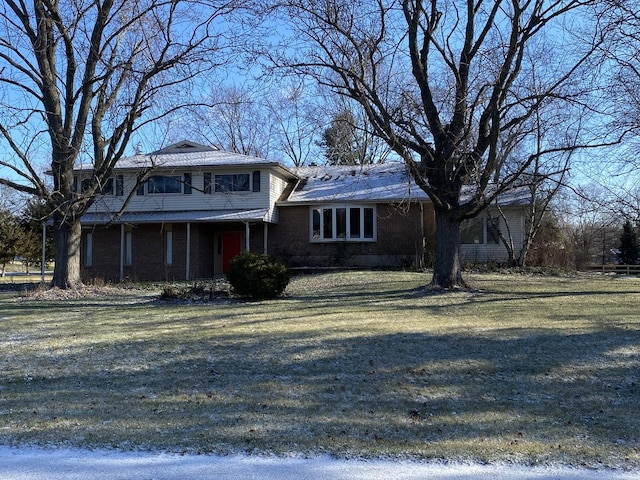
column 524, row 369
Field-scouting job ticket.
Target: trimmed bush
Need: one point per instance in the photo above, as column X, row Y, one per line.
column 258, row 276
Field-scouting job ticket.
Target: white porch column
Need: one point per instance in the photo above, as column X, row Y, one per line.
column 188, row 268
column 122, row 252
column 246, row 236
column 264, row 236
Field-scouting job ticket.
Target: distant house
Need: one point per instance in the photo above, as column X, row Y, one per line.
column 198, row 207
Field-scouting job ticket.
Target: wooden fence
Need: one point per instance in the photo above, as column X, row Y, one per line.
column 615, row 268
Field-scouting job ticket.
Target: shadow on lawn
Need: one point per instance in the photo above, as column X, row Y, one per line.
column 532, row 394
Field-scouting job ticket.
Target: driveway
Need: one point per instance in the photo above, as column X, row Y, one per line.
column 37, row 464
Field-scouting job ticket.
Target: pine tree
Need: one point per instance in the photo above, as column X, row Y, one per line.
column 341, row 141
column 10, row 239
column 629, row 249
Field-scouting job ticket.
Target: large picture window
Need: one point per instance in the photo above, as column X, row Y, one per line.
column 335, row 223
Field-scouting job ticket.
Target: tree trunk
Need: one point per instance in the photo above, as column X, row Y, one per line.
column 66, row 273
column 447, row 272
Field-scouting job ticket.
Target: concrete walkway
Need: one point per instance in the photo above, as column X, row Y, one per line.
column 37, row 464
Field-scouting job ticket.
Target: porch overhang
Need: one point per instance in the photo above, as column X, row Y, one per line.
column 197, row 216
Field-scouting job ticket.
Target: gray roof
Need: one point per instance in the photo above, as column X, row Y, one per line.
column 238, row 215
column 188, row 155
column 389, row 182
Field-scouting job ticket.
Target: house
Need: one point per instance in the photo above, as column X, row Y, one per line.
column 192, row 208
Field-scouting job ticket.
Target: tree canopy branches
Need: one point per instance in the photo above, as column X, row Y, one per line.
column 81, row 76
column 453, row 87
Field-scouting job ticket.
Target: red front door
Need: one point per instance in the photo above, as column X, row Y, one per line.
column 231, row 246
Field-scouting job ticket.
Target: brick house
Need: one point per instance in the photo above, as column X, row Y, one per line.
column 197, row 207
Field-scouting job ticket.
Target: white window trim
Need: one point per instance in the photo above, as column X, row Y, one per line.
column 334, row 238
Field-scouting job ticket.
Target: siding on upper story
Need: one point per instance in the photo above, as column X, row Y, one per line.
column 272, row 184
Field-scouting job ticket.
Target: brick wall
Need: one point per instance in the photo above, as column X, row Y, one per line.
column 106, row 255
column 399, row 244
column 148, row 253
column 399, row 240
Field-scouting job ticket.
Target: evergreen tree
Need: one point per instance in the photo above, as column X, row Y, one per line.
column 10, row 239
column 341, row 141
column 629, row 249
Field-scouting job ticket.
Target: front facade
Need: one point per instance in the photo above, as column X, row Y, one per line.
column 192, row 208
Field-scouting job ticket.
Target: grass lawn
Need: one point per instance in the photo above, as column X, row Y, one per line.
column 524, row 369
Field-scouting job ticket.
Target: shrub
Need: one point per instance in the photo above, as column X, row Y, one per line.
column 258, row 276
column 200, row 291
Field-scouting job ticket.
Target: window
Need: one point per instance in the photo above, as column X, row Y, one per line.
column 119, row 185
column 234, row 182
column 479, row 231
column 169, row 247
column 128, row 235
column 88, row 250
column 472, row 231
column 334, row 223
column 164, row 184
column 112, row 186
column 207, row 183
column 493, row 231
column 256, row 181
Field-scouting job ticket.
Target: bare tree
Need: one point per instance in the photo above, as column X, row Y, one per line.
column 447, row 85
column 276, row 121
column 294, row 112
column 233, row 119
column 78, row 78
column 619, row 177
column 544, row 178
column 589, row 227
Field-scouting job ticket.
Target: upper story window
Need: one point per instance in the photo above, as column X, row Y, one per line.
column 479, row 231
column 335, row 223
column 231, row 182
column 164, row 184
column 112, row 186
